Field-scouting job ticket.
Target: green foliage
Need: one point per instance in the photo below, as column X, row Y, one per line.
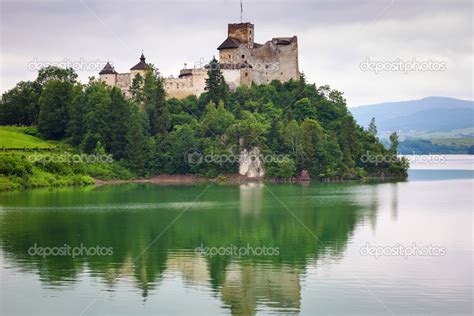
column 55, row 101
column 19, row 106
column 17, row 171
column 148, row 135
column 154, row 103
column 136, row 142
column 281, row 169
column 372, row 127
column 216, row 121
column 11, row 165
column 393, row 143
column 216, row 86
column 56, row 73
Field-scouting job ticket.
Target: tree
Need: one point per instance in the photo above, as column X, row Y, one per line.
column 216, row 86
column 136, row 142
column 154, row 102
column 216, row 120
column 118, row 113
column 313, row 144
column 19, row 106
column 183, row 144
column 76, row 127
column 136, row 89
column 292, row 138
column 302, row 109
column 97, row 105
column 55, row 102
column 393, row 143
column 372, row 127
column 56, row 73
column 284, row 169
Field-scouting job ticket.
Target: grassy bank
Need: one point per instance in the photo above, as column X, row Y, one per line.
column 27, row 161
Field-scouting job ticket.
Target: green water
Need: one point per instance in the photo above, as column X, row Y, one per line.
column 315, row 231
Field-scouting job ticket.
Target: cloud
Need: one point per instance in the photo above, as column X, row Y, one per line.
column 334, row 38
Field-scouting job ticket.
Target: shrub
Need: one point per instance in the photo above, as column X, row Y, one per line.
column 14, row 165
column 283, row 169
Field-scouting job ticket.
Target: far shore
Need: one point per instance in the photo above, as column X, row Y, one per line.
column 183, row 179
column 230, row 179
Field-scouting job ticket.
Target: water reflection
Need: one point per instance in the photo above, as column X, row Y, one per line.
column 130, row 217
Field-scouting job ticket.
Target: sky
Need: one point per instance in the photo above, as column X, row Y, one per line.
column 373, row 50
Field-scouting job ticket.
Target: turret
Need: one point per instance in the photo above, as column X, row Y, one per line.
column 138, row 68
column 108, row 74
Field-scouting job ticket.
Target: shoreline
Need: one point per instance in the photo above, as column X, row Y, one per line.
column 183, row 179
column 179, row 179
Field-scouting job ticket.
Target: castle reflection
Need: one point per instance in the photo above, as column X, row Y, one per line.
column 243, row 215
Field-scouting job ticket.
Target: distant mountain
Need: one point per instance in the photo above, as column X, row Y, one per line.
column 419, row 118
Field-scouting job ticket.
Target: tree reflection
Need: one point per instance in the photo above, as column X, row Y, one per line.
column 130, row 217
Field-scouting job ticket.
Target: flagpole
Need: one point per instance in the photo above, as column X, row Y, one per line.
column 241, row 10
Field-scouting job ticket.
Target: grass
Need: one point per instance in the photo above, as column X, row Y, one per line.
column 19, row 171
column 17, row 137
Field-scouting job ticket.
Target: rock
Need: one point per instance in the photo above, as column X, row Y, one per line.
column 303, row 176
column 251, row 164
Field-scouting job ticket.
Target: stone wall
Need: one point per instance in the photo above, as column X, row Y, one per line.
column 192, row 84
column 109, row 79
column 243, row 32
column 123, row 82
column 277, row 59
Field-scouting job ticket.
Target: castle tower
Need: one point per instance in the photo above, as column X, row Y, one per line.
column 238, row 35
column 108, row 75
column 244, row 32
column 138, row 68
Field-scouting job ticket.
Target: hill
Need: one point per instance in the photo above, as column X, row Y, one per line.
column 425, row 118
column 18, row 137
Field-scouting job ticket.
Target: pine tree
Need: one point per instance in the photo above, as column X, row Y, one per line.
column 136, row 142
column 155, row 103
column 372, row 127
column 136, row 89
column 393, row 143
column 216, row 87
column 119, row 111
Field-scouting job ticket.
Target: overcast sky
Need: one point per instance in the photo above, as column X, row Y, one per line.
column 335, row 38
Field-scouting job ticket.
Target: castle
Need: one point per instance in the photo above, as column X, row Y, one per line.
column 241, row 60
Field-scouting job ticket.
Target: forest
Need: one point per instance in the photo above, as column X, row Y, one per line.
column 148, row 134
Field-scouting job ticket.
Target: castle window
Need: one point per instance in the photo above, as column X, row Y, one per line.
column 246, row 74
column 230, row 56
column 243, row 56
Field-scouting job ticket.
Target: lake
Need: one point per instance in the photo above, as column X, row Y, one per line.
column 208, row 249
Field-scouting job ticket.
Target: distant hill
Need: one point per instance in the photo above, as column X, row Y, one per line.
column 428, row 117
